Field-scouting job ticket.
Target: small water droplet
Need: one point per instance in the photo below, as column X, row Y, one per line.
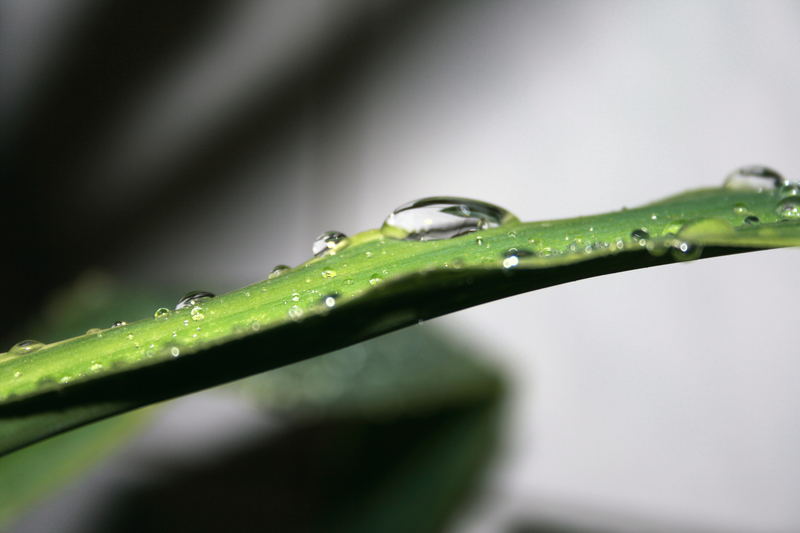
column 279, row 270
column 685, row 251
column 119, row 324
column 25, row 347
column 368, row 254
column 653, row 217
column 328, row 274
column 96, row 366
column 740, row 208
column 193, row 298
column 789, row 208
column 330, row 300
column 754, row 178
column 295, row 296
column 65, row 379
column 295, row 312
column 443, row 217
column 174, row 351
column 255, row 325
column 17, row 374
column 130, row 336
column 479, row 240
column 375, row 279
column 197, row 313
column 161, row 312
column 640, row 236
column 328, row 242
column 752, row 219
column 791, row 188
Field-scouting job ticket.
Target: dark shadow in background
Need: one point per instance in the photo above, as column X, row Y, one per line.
column 116, row 50
column 394, row 475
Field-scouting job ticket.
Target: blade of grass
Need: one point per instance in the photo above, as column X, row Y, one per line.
column 371, row 286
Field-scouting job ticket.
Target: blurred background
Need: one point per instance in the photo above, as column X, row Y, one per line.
column 175, row 146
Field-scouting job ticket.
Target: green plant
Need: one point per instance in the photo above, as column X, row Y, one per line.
column 367, row 285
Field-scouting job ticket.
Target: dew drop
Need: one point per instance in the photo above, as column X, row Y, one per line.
column 479, row 240
column 25, row 347
column 740, row 209
column 640, row 236
column 752, row 219
column 96, row 366
column 279, row 270
column 174, row 351
column 330, row 301
column 119, row 324
column 193, row 298
column 790, row 189
column 17, row 374
column 754, row 178
column 295, row 296
column 443, row 217
column 161, row 312
column 375, row 279
column 685, row 251
column 328, row 242
column 65, row 379
column 328, row 274
column 789, row 208
column 197, row 313
column 295, row 312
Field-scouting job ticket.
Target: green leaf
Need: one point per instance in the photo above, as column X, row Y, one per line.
column 25, row 476
column 376, row 284
column 388, row 435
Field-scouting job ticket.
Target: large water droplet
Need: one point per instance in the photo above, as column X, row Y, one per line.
column 279, row 270
column 443, row 217
column 328, row 242
column 192, row 298
column 161, row 312
column 25, row 347
column 754, row 177
column 789, row 208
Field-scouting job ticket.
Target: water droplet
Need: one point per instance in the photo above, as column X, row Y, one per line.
column 510, row 261
column 161, row 312
column 442, row 217
column 330, row 300
column 685, row 251
column 197, row 313
column 640, row 236
column 193, row 298
column 740, row 209
column 96, row 366
column 789, row 208
column 375, row 279
column 791, row 188
column 279, row 270
column 119, row 324
column 327, row 274
column 174, row 351
column 65, row 379
column 295, row 296
column 754, row 177
column 25, row 347
column 295, row 312
column 17, row 374
column 752, row 219
column 328, row 242
column 653, row 217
